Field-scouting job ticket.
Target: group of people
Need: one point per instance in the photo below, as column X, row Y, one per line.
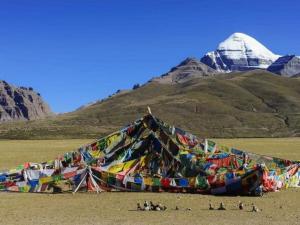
column 150, row 206
column 240, row 206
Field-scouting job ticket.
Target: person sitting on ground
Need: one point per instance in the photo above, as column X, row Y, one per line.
column 146, row 206
column 162, row 207
column 254, row 208
column 222, row 207
column 152, row 206
column 157, row 208
column 241, row 205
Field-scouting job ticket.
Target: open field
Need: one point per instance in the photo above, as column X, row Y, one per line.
column 15, row 152
column 119, row 208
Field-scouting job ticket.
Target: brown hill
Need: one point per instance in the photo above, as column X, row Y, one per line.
column 249, row 104
column 188, row 69
column 21, row 103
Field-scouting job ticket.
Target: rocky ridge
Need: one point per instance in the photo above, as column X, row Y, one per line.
column 21, row 103
column 288, row 66
column 186, row 70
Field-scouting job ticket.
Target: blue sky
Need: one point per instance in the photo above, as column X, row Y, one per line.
column 74, row 52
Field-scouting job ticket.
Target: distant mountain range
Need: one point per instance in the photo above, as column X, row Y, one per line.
column 21, row 103
column 238, row 53
column 241, row 104
column 241, row 89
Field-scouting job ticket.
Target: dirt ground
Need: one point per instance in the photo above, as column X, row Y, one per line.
column 120, row 208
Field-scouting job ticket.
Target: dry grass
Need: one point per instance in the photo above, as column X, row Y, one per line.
column 119, row 208
column 247, row 104
column 15, row 152
column 286, row 148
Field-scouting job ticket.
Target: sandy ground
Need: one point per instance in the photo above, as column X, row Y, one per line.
column 120, row 208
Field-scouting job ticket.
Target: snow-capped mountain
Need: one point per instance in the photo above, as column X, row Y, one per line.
column 239, row 52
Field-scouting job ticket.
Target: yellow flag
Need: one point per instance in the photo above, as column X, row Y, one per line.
column 45, row 180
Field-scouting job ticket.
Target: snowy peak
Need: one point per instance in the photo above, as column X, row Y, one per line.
column 238, row 43
column 239, row 52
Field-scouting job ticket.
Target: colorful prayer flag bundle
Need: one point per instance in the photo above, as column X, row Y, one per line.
column 149, row 155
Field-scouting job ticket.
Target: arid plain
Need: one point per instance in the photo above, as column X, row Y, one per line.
column 120, row 208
